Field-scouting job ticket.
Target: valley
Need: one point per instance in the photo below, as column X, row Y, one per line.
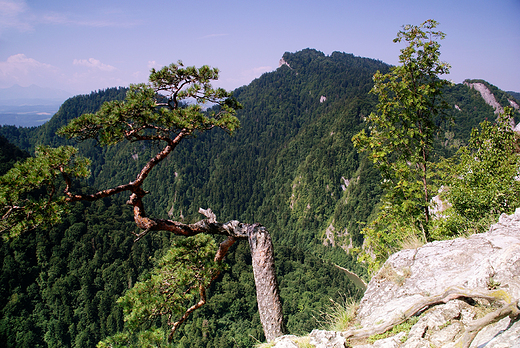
column 291, row 166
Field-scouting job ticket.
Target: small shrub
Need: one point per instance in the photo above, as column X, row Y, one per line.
column 492, row 284
column 412, row 242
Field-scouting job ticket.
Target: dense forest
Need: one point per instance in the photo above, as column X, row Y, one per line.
column 291, row 167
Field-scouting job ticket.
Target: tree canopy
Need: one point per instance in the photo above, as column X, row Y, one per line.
column 160, row 111
column 481, row 180
column 167, row 110
column 401, row 135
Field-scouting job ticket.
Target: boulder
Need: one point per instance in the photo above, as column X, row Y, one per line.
column 487, row 263
column 327, row 339
column 286, row 341
column 455, row 293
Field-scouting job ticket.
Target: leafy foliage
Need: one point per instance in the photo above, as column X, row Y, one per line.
column 482, row 180
column 145, row 114
column 401, row 139
column 178, row 277
column 9, row 155
column 59, row 285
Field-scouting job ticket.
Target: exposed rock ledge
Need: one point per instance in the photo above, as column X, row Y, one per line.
column 486, row 94
column 489, row 97
column 484, row 266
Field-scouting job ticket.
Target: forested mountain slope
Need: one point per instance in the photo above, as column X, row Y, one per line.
column 291, row 167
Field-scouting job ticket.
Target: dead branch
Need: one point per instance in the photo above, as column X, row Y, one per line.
column 509, row 308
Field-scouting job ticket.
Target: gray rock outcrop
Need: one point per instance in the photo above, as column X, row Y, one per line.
column 451, row 287
column 486, row 94
column 480, row 263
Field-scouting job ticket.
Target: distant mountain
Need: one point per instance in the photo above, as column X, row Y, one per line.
column 27, row 115
column 515, row 95
column 293, row 153
column 32, row 95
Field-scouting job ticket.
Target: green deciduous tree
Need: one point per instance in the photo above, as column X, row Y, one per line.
column 400, row 138
column 481, row 181
column 165, row 111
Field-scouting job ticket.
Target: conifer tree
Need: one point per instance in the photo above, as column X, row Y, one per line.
column 39, row 191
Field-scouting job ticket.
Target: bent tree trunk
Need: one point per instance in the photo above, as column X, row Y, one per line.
column 267, row 292
column 262, row 254
column 135, row 123
column 261, row 247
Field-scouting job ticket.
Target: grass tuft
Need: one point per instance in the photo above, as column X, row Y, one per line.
column 340, row 315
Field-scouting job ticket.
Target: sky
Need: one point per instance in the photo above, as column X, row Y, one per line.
column 82, row 46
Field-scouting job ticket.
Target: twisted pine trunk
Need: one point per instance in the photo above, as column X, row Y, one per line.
column 267, row 292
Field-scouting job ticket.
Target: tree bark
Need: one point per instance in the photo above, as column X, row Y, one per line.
column 511, row 310
column 267, row 292
column 262, row 254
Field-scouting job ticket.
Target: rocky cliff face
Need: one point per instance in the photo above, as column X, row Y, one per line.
column 489, row 97
column 456, row 293
column 486, row 95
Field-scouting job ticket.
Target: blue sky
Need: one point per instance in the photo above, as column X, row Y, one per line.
column 80, row 46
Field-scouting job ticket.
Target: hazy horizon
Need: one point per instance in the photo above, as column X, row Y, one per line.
column 83, row 46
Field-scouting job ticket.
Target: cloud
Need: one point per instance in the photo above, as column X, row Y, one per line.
column 19, row 69
column 11, row 9
column 18, row 15
column 21, row 61
column 11, row 12
column 83, row 76
column 56, row 18
column 94, row 64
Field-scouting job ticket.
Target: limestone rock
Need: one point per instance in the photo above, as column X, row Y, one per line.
column 285, row 342
column 482, row 261
column 327, row 339
column 390, row 342
column 486, row 94
column 476, row 264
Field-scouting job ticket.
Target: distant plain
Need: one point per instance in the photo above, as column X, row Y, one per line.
column 27, row 115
